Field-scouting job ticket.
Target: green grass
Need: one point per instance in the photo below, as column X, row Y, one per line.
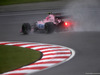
column 9, row 2
column 12, row 57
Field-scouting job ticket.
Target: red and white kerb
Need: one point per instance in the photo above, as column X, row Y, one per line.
column 52, row 55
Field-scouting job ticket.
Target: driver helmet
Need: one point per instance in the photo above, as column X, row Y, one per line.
column 49, row 13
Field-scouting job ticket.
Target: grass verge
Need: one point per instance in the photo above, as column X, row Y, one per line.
column 12, row 57
column 9, row 2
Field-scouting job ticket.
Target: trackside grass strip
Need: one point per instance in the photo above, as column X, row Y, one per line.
column 9, row 2
column 12, row 57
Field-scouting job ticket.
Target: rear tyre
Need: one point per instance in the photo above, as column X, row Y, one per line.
column 60, row 27
column 49, row 27
column 26, row 28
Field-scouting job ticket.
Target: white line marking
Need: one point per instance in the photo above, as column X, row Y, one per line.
column 52, row 49
column 39, row 65
column 56, row 55
column 56, row 52
column 52, row 60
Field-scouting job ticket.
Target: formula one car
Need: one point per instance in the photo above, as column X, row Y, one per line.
column 53, row 22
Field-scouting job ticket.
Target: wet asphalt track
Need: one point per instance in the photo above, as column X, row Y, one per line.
column 85, row 44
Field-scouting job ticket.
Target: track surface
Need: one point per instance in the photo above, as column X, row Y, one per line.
column 86, row 44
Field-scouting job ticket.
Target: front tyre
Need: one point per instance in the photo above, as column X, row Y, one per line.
column 26, row 28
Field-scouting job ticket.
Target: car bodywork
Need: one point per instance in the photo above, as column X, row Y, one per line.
column 56, row 22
